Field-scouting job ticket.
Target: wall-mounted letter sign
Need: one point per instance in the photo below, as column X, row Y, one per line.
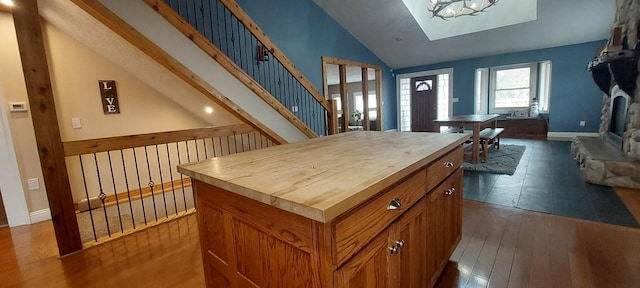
column 109, row 96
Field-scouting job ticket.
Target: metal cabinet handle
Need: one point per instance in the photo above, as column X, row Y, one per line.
column 394, row 249
column 450, row 191
column 394, row 204
column 448, row 164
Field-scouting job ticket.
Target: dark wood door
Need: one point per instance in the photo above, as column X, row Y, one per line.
column 3, row 214
column 424, row 103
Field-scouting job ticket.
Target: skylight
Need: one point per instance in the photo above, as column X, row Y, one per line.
column 504, row 13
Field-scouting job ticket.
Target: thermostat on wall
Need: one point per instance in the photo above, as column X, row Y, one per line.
column 17, row 106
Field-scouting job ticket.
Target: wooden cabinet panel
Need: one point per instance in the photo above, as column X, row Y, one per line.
column 410, row 232
column 444, row 223
column 246, row 243
column 266, row 261
column 443, row 167
column 356, row 230
column 369, row 268
column 528, row 128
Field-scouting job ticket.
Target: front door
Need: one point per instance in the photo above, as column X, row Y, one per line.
column 424, row 103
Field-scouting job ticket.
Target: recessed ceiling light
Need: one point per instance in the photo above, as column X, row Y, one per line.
column 208, row 110
column 7, row 2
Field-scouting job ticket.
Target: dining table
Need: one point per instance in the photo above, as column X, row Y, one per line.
column 475, row 121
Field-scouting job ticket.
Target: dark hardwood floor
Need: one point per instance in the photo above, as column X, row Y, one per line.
column 500, row 247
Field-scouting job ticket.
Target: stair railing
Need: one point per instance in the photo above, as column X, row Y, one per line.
column 224, row 31
column 124, row 184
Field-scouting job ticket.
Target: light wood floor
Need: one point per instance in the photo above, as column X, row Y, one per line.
column 501, row 247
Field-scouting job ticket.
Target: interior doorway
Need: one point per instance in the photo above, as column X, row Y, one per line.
column 357, row 88
column 444, row 90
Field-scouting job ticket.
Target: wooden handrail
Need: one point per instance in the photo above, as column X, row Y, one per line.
column 197, row 38
column 244, row 18
column 80, row 147
column 120, row 27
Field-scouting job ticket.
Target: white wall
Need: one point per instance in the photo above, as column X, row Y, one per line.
column 10, row 185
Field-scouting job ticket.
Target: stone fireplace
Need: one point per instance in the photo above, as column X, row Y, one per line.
column 613, row 159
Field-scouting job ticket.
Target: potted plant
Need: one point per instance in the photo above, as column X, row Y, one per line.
column 356, row 114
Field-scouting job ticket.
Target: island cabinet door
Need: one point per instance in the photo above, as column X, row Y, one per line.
column 444, row 223
column 395, row 259
column 369, row 268
column 409, row 237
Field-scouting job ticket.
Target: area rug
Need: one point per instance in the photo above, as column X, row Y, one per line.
column 100, row 225
column 502, row 161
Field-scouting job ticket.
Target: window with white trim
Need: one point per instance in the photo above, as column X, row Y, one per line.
column 373, row 105
column 504, row 89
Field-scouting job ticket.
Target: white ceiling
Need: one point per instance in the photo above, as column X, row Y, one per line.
column 389, row 30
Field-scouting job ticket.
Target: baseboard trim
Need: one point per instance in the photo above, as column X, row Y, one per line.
column 568, row 136
column 40, row 215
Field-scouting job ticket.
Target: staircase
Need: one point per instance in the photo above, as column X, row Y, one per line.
column 221, row 27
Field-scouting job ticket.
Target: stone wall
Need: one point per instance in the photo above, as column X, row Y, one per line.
column 618, row 168
column 628, row 17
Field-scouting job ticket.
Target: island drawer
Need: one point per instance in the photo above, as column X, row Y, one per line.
column 440, row 169
column 353, row 232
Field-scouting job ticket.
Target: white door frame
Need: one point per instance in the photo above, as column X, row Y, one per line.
column 420, row 74
column 13, row 196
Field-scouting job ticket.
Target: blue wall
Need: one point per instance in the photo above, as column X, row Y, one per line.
column 305, row 33
column 574, row 95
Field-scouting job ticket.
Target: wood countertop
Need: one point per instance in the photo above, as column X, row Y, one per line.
column 324, row 177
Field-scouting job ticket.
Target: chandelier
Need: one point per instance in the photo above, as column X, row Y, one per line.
column 454, row 8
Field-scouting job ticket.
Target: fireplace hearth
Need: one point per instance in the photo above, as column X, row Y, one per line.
column 613, row 159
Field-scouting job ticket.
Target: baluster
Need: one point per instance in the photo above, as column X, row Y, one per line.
column 102, row 196
column 135, row 160
column 86, row 193
column 164, row 198
column 151, row 184
column 115, row 190
column 184, row 196
column 126, row 183
column 173, row 188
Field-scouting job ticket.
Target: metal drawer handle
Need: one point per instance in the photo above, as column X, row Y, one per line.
column 448, row 164
column 394, row 204
column 450, row 191
column 394, row 249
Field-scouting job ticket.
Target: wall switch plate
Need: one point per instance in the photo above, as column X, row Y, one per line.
column 294, row 109
column 33, row 183
column 17, row 106
column 75, row 123
column 583, row 123
column 455, row 100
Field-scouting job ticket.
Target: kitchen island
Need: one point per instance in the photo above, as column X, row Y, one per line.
column 357, row 209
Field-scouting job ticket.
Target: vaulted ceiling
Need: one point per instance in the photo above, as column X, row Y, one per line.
column 404, row 34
